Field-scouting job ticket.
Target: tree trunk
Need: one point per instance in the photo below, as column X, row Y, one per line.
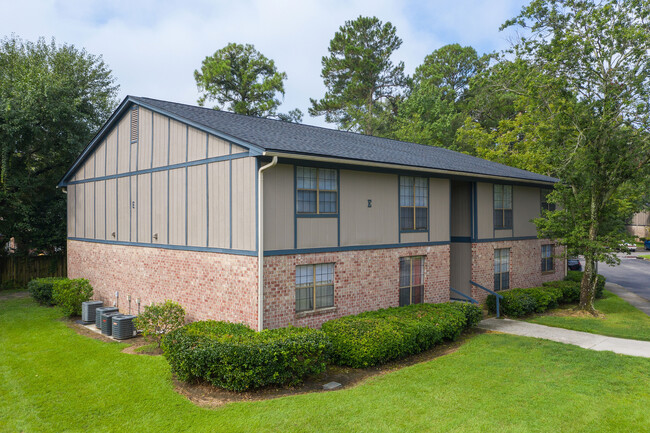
column 588, row 284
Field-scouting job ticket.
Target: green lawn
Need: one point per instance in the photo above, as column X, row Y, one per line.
column 645, row 256
column 621, row 320
column 52, row 379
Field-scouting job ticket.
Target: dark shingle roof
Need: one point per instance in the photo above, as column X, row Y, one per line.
column 275, row 135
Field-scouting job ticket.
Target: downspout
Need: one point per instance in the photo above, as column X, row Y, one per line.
column 260, row 242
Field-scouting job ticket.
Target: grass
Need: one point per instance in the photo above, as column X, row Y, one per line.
column 645, row 256
column 620, row 320
column 52, row 379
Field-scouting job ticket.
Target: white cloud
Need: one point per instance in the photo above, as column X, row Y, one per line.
column 154, row 47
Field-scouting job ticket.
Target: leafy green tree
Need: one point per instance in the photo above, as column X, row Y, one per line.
column 363, row 85
column 435, row 107
column 53, row 99
column 585, row 92
column 241, row 79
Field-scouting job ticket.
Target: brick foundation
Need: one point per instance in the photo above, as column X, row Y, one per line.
column 638, row 231
column 525, row 265
column 364, row 280
column 208, row 285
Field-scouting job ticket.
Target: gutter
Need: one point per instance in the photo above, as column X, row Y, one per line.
column 401, row 167
column 260, row 242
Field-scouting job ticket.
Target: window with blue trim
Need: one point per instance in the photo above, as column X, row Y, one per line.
column 316, row 190
column 314, row 287
column 502, row 207
column 413, row 203
column 501, row 269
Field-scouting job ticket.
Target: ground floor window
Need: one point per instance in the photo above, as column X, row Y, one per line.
column 547, row 258
column 314, row 287
column 411, row 280
column 502, row 269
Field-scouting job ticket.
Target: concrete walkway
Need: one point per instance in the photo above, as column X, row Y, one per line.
column 631, row 298
column 582, row 339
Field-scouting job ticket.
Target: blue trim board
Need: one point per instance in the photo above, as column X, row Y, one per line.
column 464, row 239
column 514, row 238
column 169, row 247
column 295, row 207
column 317, row 215
column 399, row 209
column 350, row 248
column 167, row 167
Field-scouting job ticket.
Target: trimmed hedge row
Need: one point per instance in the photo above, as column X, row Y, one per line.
column 234, row 357
column 521, row 302
column 376, row 337
column 67, row 294
column 41, row 289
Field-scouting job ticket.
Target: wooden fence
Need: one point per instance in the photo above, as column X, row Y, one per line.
column 17, row 271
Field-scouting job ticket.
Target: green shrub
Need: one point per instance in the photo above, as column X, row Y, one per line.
column 577, row 277
column 376, row 337
column 159, row 319
column 570, row 290
column 234, row 357
column 41, row 289
column 515, row 303
column 69, row 294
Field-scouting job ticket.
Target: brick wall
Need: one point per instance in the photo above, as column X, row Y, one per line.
column 637, row 231
column 525, row 265
column 208, row 285
column 363, row 280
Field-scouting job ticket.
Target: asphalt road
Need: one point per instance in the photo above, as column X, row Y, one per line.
column 632, row 273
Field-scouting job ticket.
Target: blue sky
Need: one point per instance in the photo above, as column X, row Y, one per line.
column 153, row 47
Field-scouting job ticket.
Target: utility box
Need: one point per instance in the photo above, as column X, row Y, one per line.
column 88, row 310
column 98, row 315
column 107, row 322
column 123, row 327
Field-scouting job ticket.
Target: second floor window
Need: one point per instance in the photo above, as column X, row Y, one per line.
column 545, row 205
column 502, row 207
column 316, row 190
column 413, row 203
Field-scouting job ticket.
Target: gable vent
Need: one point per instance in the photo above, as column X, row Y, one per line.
column 134, row 125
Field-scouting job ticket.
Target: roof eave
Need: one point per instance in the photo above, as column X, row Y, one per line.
column 358, row 162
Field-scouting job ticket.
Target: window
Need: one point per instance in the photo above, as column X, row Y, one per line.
column 316, row 190
column 502, row 206
column 545, row 205
column 314, row 287
column 411, row 280
column 502, row 269
column 414, row 203
column 547, row 258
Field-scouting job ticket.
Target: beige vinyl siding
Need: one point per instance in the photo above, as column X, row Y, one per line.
column 641, row 219
column 317, row 232
column 196, row 145
column 144, row 138
column 238, row 149
column 159, row 207
column 219, row 208
column 143, row 208
column 111, row 152
column 72, row 196
column 79, row 211
column 217, row 147
column 243, row 204
column 197, row 206
column 278, row 207
column 160, row 139
column 460, row 258
column 439, row 209
column 363, row 225
column 414, row 237
column 485, row 210
column 525, row 207
column 177, row 207
column 89, row 167
column 89, row 209
column 100, row 209
column 124, row 144
column 177, row 142
column 100, row 160
column 123, row 210
column 111, row 210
